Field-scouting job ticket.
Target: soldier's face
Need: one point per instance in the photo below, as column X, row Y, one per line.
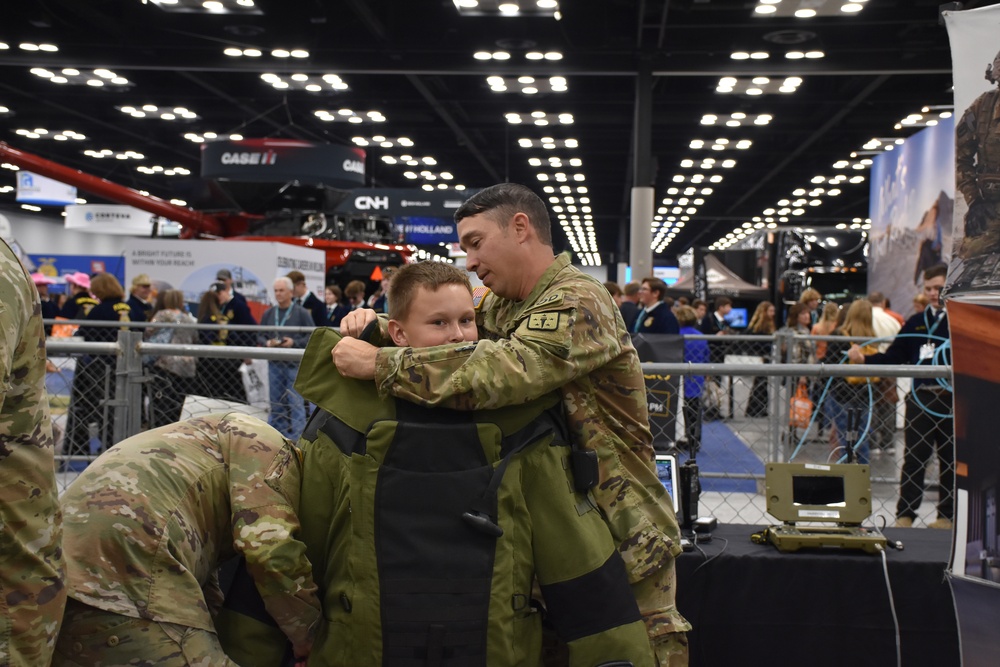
column 493, row 254
column 436, row 317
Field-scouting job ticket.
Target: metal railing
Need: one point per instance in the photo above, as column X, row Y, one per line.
column 102, row 393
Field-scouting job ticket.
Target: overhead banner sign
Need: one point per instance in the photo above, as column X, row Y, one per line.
column 35, row 189
column 116, row 219
column 282, row 161
column 426, row 217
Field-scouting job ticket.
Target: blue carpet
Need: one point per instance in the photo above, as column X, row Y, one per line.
column 722, row 451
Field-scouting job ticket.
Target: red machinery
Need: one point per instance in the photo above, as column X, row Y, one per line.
column 346, row 257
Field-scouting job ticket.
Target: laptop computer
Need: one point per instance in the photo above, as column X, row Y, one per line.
column 833, row 498
column 666, row 470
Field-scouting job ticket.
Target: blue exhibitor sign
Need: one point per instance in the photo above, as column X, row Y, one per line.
column 425, row 217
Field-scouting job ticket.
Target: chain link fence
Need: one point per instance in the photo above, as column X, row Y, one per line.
column 743, row 415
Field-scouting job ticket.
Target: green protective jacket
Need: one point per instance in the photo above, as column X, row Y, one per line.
column 427, row 528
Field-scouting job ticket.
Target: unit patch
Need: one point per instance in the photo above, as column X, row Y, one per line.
column 543, row 321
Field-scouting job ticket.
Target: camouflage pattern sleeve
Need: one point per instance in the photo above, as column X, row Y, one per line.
column 32, row 578
column 265, row 476
column 556, row 341
column 966, row 147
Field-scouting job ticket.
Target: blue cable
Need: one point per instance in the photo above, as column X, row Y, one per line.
column 937, row 359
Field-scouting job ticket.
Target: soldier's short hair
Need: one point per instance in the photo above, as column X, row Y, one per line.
column 430, row 275
column 106, row 286
column 505, row 200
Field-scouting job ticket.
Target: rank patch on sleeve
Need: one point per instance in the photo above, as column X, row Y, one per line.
column 478, row 294
column 543, row 321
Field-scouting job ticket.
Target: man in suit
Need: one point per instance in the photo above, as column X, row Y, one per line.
column 655, row 316
column 716, row 323
column 630, row 304
column 302, row 296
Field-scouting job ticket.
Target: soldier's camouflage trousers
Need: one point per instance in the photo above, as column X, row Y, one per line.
column 94, row 638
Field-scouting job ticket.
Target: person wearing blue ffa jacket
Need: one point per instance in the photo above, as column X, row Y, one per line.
column 928, row 406
column 655, row 316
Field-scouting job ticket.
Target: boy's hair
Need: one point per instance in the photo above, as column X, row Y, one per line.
column 936, row 271
column 503, row 201
column 296, row 277
column 632, row 288
column 613, row 288
column 412, row 277
column 722, row 302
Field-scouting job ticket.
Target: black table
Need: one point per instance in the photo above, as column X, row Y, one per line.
column 752, row 605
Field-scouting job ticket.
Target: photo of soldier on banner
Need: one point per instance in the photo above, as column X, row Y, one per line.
column 662, row 389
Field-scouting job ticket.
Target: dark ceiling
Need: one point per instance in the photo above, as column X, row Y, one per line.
column 412, row 60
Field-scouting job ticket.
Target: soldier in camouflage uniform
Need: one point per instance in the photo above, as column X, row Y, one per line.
column 32, row 590
column 150, row 521
column 977, row 161
column 548, row 326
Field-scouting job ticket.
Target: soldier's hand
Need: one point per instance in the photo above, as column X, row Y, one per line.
column 355, row 358
column 855, row 354
column 355, row 322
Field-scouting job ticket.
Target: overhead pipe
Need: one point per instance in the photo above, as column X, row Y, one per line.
column 193, row 221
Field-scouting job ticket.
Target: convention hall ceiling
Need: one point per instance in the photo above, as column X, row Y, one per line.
column 757, row 115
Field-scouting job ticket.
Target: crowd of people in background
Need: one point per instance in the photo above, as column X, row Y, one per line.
column 802, row 339
column 100, row 297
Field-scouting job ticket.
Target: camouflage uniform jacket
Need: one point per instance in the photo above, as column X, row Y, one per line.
column 566, row 336
column 32, row 593
column 149, row 522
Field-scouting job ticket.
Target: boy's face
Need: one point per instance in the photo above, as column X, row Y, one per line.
column 436, row 317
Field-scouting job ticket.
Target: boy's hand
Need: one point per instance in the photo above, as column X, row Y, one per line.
column 355, row 322
column 355, row 358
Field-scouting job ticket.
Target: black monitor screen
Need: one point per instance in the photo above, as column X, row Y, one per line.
column 821, row 491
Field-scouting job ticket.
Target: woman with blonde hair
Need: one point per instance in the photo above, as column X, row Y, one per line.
column 761, row 324
column 848, row 393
